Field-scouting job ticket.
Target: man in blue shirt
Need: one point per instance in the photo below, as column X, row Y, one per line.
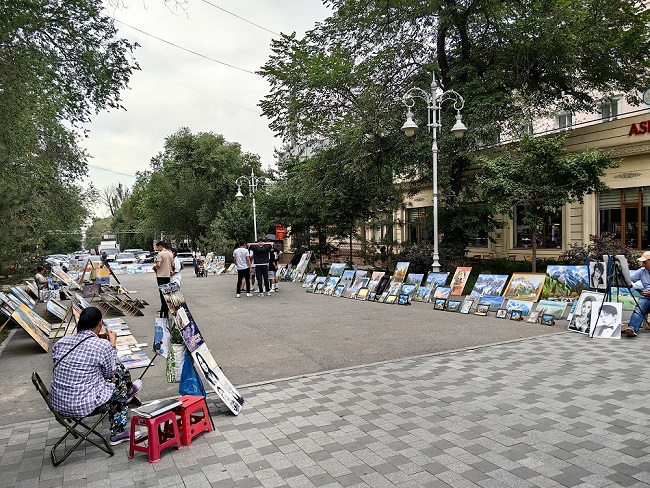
column 641, row 279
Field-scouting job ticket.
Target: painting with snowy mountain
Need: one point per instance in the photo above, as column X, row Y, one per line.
column 525, row 286
column 565, row 281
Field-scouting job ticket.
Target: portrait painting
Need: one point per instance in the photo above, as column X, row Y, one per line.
column 459, row 280
column 581, row 320
column 606, row 319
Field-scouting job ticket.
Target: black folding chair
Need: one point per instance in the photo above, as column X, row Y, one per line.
column 72, row 425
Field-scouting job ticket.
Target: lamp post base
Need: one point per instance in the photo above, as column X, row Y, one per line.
column 435, row 267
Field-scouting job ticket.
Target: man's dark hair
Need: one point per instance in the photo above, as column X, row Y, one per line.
column 161, row 244
column 40, row 269
column 609, row 309
column 88, row 318
column 600, row 267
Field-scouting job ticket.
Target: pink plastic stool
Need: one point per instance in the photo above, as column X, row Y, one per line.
column 162, row 432
column 194, row 417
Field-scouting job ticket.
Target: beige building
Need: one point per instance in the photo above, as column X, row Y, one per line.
column 621, row 130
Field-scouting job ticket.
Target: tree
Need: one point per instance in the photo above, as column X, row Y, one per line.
column 540, row 177
column 113, row 195
column 512, row 60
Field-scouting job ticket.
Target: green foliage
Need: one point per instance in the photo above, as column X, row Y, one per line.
column 600, row 245
column 420, row 258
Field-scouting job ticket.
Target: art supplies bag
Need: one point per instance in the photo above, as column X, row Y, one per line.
column 175, row 361
column 191, row 384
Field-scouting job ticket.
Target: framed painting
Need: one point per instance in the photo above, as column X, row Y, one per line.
column 408, row 290
column 525, row 306
column 533, row 317
column 489, row 284
column 338, row 291
column 436, row 279
column 467, row 305
column 547, row 319
column 597, row 276
column 442, row 292
column 453, row 305
column 362, row 294
column 382, row 285
column 581, row 320
column 459, row 280
column 372, row 296
column 400, row 271
column 525, row 286
column 336, row 269
column 482, row 309
column 423, row 294
column 439, row 303
column 496, row 302
column 309, row 279
column 565, row 281
column 516, row 315
column 319, row 287
column 403, row 299
column 390, row 299
column 330, row 285
column 502, row 313
column 348, row 276
column 555, row 308
column 414, row 279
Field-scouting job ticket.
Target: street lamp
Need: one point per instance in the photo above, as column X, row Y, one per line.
column 434, row 101
column 252, row 181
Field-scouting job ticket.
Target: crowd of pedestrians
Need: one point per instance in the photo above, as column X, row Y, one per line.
column 257, row 261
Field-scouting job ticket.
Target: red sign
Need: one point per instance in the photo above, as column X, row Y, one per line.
column 640, row 128
column 280, row 232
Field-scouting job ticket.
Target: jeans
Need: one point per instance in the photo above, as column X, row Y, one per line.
column 262, row 272
column 243, row 273
column 643, row 305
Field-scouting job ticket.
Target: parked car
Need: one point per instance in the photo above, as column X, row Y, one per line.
column 186, row 258
column 126, row 258
column 151, row 257
column 139, row 253
column 110, row 253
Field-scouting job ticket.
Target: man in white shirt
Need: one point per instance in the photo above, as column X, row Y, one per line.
column 176, row 271
column 243, row 267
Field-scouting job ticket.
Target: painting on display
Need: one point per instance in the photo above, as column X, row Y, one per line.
column 459, row 280
column 374, row 280
column 408, row 290
column 574, row 305
column 523, row 305
column 23, row 297
column 336, row 269
column 467, row 305
column 525, row 286
column 347, row 277
column 312, row 286
column 319, row 287
column 34, row 325
column 552, row 307
column 439, row 303
column 338, row 291
column 330, row 285
column 495, row 301
column 442, row 292
column 606, row 320
column 394, row 288
column 565, row 281
column 400, row 271
column 597, row 275
column 361, row 273
column 362, row 294
column 382, row 285
column 352, row 290
column 623, row 295
column 453, row 305
column 414, row 279
column 423, row 294
column 436, row 279
column 309, row 279
column 581, row 320
column 489, row 284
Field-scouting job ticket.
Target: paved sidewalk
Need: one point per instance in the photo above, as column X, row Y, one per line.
column 558, row 410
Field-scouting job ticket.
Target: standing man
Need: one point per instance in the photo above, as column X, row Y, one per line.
column 176, row 271
column 243, row 267
column 196, row 255
column 274, row 258
column 261, row 259
column 163, row 269
column 641, row 279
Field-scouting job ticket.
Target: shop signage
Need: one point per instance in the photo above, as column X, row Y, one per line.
column 280, row 232
column 640, row 128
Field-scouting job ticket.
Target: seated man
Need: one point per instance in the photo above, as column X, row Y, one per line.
column 87, row 375
column 641, row 279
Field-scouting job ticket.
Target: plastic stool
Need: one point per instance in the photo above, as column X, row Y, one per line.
column 162, row 432
column 195, row 417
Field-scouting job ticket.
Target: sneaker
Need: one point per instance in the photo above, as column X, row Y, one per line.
column 261, row 294
column 237, row 295
column 271, row 290
column 249, row 294
column 123, row 437
column 268, row 294
column 628, row 331
column 135, row 388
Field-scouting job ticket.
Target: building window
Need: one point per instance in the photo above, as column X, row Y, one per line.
column 481, row 240
column 564, row 120
column 525, row 129
column 626, row 214
column 420, row 225
column 549, row 235
column 609, row 108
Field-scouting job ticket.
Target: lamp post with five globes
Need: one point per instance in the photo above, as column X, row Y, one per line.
column 434, row 100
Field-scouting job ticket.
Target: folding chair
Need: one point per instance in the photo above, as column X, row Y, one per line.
column 71, row 425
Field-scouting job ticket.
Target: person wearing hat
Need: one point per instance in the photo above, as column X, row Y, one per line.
column 642, row 276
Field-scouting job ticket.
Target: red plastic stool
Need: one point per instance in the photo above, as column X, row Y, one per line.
column 162, row 432
column 195, row 417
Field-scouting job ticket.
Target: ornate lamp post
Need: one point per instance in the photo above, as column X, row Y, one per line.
column 252, row 181
column 434, row 100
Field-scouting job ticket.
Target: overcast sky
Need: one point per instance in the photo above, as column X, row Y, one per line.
column 178, row 89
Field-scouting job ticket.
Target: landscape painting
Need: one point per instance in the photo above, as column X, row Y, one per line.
column 552, row 307
column 442, row 292
column 336, row 269
column 565, row 281
column 525, row 286
column 495, row 301
column 459, row 280
column 400, row 271
column 423, row 294
column 623, row 295
column 414, row 279
column 408, row 290
column 489, row 284
column 524, row 305
column 434, row 279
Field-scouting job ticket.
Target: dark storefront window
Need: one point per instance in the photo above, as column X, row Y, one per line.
column 549, row 236
column 625, row 213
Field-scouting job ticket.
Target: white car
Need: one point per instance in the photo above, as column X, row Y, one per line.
column 126, row 258
column 186, row 258
column 139, row 253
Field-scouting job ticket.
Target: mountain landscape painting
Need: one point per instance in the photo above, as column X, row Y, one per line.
column 525, row 286
column 565, row 281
